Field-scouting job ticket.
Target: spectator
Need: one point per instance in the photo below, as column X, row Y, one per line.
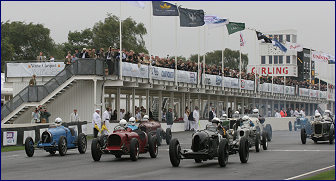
column 84, row 53
column 212, row 114
column 52, row 59
column 277, row 114
column 96, row 122
column 291, row 112
column 74, row 117
column 32, row 81
column 302, row 112
column 194, row 125
column 186, row 119
column 41, row 58
column 77, row 54
column 109, row 62
column 36, row 116
column 44, row 115
column 68, row 59
column 169, row 118
column 288, row 112
column 296, row 112
column 114, row 115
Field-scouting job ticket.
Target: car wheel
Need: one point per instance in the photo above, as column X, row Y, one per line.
column 303, row 136
column 257, row 142
column 29, row 146
column 264, row 140
column 153, row 146
column 197, row 160
column 168, row 135
column 331, row 136
column 175, row 152
column 62, row 146
column 82, row 143
column 118, row 155
column 223, row 152
column 295, row 124
column 290, row 125
column 243, row 150
column 158, row 136
column 134, row 149
column 96, row 149
column 269, row 132
column 52, row 152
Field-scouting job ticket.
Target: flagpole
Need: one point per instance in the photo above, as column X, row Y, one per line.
column 120, row 42
column 310, row 61
column 272, row 74
column 198, row 57
column 223, row 59
column 151, row 43
column 256, row 58
column 240, row 66
column 204, row 51
column 176, row 49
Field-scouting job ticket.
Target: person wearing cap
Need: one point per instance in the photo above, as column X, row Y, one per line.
column 106, row 120
column 84, row 53
column 96, row 121
column 169, row 118
column 74, row 117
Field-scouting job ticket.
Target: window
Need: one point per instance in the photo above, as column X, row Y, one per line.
column 276, row 59
column 288, row 38
column 287, row 59
column 280, row 59
column 280, row 38
column 294, row 39
column 263, row 59
column 270, row 59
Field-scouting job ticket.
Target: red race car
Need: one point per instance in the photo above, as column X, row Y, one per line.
column 124, row 142
column 154, row 128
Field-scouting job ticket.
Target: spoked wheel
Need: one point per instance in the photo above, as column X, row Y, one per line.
column 96, row 149
column 158, row 136
column 29, row 146
column 134, row 149
column 153, row 146
column 168, row 135
column 82, row 143
column 264, row 140
column 62, row 146
column 175, row 152
column 243, row 150
column 223, row 153
column 303, row 136
column 257, row 142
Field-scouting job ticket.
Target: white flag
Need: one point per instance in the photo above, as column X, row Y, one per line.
column 139, row 4
column 294, row 46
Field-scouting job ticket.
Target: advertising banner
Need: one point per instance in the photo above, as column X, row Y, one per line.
column 39, row 69
column 160, row 73
column 289, row 90
column 303, row 92
column 10, row 138
column 187, row 77
column 213, row 80
column 320, row 57
column 276, row 70
column 313, row 93
column 134, row 70
column 247, row 84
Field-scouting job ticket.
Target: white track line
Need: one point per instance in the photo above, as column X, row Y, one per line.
column 310, row 172
column 303, row 150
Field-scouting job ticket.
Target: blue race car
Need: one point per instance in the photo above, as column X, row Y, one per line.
column 299, row 123
column 57, row 138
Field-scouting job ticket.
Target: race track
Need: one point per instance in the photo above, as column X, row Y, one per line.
column 285, row 158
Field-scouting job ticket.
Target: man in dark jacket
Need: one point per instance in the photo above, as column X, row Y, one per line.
column 169, row 118
column 212, row 114
column 44, row 115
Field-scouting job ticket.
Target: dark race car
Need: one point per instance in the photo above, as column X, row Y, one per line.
column 154, row 128
column 124, row 142
column 209, row 144
column 57, row 138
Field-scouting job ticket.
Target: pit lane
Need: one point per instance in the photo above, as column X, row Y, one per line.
column 286, row 157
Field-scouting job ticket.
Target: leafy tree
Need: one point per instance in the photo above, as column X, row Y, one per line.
column 7, row 52
column 24, row 40
column 78, row 40
column 231, row 58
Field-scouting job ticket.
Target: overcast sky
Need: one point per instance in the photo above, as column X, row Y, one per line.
column 314, row 22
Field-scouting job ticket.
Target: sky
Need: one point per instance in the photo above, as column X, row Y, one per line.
column 314, row 22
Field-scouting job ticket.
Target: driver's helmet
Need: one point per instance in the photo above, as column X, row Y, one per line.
column 237, row 112
column 123, row 123
column 327, row 112
column 317, row 116
column 58, row 121
column 215, row 120
column 225, row 116
column 255, row 111
column 245, row 118
column 132, row 121
column 300, row 115
column 145, row 118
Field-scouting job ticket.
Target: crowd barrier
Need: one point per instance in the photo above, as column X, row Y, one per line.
column 15, row 134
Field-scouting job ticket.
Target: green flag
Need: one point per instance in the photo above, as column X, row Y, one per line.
column 234, row 27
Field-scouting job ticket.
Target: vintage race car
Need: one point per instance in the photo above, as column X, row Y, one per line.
column 57, row 138
column 299, row 123
column 208, row 144
column 320, row 129
column 124, row 142
column 154, row 128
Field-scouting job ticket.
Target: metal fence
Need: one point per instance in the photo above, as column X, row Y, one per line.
column 39, row 92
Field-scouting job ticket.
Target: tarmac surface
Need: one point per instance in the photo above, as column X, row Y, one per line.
column 286, row 157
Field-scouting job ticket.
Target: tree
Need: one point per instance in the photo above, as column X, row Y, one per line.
column 231, row 58
column 24, row 40
column 7, row 52
column 78, row 40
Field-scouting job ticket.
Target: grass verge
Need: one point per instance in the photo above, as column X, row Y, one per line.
column 11, row 148
column 327, row 175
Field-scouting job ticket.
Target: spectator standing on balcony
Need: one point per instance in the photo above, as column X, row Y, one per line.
column 101, row 53
column 109, row 61
column 84, row 53
column 68, row 59
column 169, row 118
column 77, row 54
column 41, row 58
column 74, row 117
column 52, row 59
column 32, row 81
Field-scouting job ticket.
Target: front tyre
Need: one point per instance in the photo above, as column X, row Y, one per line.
column 264, row 140
column 153, row 146
column 158, row 136
column 82, row 143
column 134, row 149
column 331, row 136
column 290, row 126
column 269, row 132
column 223, row 152
column 168, row 135
column 96, row 150
column 62, row 146
column 303, row 136
column 257, row 142
column 29, row 146
column 175, row 152
column 243, row 150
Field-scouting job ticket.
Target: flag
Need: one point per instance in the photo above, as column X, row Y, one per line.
column 191, row 17
column 261, row 36
column 294, row 46
column 331, row 59
column 234, row 27
column 215, row 20
column 241, row 40
column 278, row 44
column 139, row 4
column 161, row 8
